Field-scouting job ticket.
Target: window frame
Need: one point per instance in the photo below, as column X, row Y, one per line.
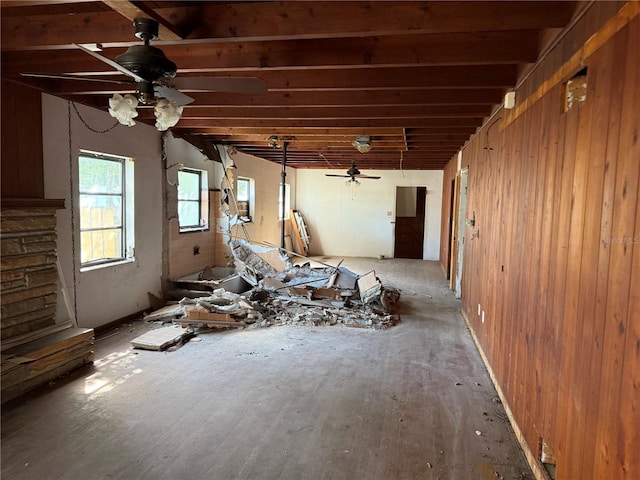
column 127, row 202
column 251, row 200
column 202, row 201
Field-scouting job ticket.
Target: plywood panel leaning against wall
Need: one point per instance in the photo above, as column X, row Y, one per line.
column 555, row 265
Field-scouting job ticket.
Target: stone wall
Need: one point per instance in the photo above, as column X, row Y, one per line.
column 28, row 276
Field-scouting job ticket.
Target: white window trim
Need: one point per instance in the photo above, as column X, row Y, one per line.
column 204, row 202
column 252, row 199
column 128, row 210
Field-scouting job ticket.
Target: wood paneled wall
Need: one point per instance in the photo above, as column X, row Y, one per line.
column 556, row 265
column 449, row 175
column 22, row 172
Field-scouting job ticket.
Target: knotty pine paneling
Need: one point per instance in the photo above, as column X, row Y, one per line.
column 556, row 265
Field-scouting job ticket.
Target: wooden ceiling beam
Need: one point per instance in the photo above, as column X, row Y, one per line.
column 300, row 20
column 186, row 123
column 412, row 50
column 199, row 116
column 343, row 79
column 131, row 11
column 381, row 98
column 269, row 21
column 451, row 96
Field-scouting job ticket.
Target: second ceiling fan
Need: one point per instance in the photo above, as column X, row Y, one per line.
column 353, row 174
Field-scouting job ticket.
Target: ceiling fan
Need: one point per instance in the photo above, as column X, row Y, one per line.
column 153, row 73
column 353, row 173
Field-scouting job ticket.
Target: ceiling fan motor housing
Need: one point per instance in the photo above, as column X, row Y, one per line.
column 353, row 170
column 148, row 62
column 144, row 60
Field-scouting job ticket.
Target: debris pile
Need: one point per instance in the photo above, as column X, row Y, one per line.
column 281, row 293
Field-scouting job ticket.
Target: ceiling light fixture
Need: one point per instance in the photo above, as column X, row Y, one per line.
column 123, row 108
column 362, row 143
column 167, row 113
column 273, row 141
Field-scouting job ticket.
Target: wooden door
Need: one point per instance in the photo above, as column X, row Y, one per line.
column 410, row 217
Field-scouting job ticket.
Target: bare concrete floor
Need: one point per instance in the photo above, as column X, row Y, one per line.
column 410, row 402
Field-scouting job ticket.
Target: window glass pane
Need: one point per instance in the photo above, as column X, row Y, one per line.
column 102, row 215
column 101, row 245
column 243, row 190
column 189, row 214
column 188, row 186
column 98, row 211
column 100, row 176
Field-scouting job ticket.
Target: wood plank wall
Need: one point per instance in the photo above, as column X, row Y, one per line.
column 556, row 266
column 22, row 171
column 445, row 226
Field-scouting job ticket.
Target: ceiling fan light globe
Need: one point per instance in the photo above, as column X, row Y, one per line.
column 167, row 114
column 123, row 108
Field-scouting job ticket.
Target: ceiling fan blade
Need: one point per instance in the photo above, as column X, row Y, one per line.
column 111, row 63
column 341, row 176
column 221, row 84
column 367, row 176
column 170, row 93
column 68, row 76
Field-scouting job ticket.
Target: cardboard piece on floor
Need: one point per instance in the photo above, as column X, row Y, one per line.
column 158, row 339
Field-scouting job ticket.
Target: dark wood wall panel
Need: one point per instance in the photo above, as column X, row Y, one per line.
column 556, row 263
column 22, row 172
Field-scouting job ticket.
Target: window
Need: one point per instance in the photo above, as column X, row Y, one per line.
column 193, row 201
column 245, row 196
column 106, row 201
column 287, row 201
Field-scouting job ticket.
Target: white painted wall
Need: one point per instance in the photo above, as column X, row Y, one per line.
column 267, row 175
column 356, row 221
column 106, row 294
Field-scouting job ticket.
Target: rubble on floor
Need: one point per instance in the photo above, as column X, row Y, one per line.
column 282, row 293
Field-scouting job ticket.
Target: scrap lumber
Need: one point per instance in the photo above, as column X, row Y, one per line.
column 200, row 316
column 297, row 235
column 35, row 363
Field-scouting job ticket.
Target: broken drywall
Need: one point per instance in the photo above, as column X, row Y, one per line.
column 282, row 293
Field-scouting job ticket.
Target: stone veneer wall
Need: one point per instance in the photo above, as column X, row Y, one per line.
column 28, row 275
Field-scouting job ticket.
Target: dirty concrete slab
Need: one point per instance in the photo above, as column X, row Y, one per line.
column 285, row 402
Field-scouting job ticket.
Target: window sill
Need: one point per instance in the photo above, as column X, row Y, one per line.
column 192, row 230
column 106, row 265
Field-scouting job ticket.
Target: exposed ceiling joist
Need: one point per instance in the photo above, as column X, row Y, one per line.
column 417, row 77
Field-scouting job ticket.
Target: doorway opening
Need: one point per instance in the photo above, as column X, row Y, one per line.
column 410, row 220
